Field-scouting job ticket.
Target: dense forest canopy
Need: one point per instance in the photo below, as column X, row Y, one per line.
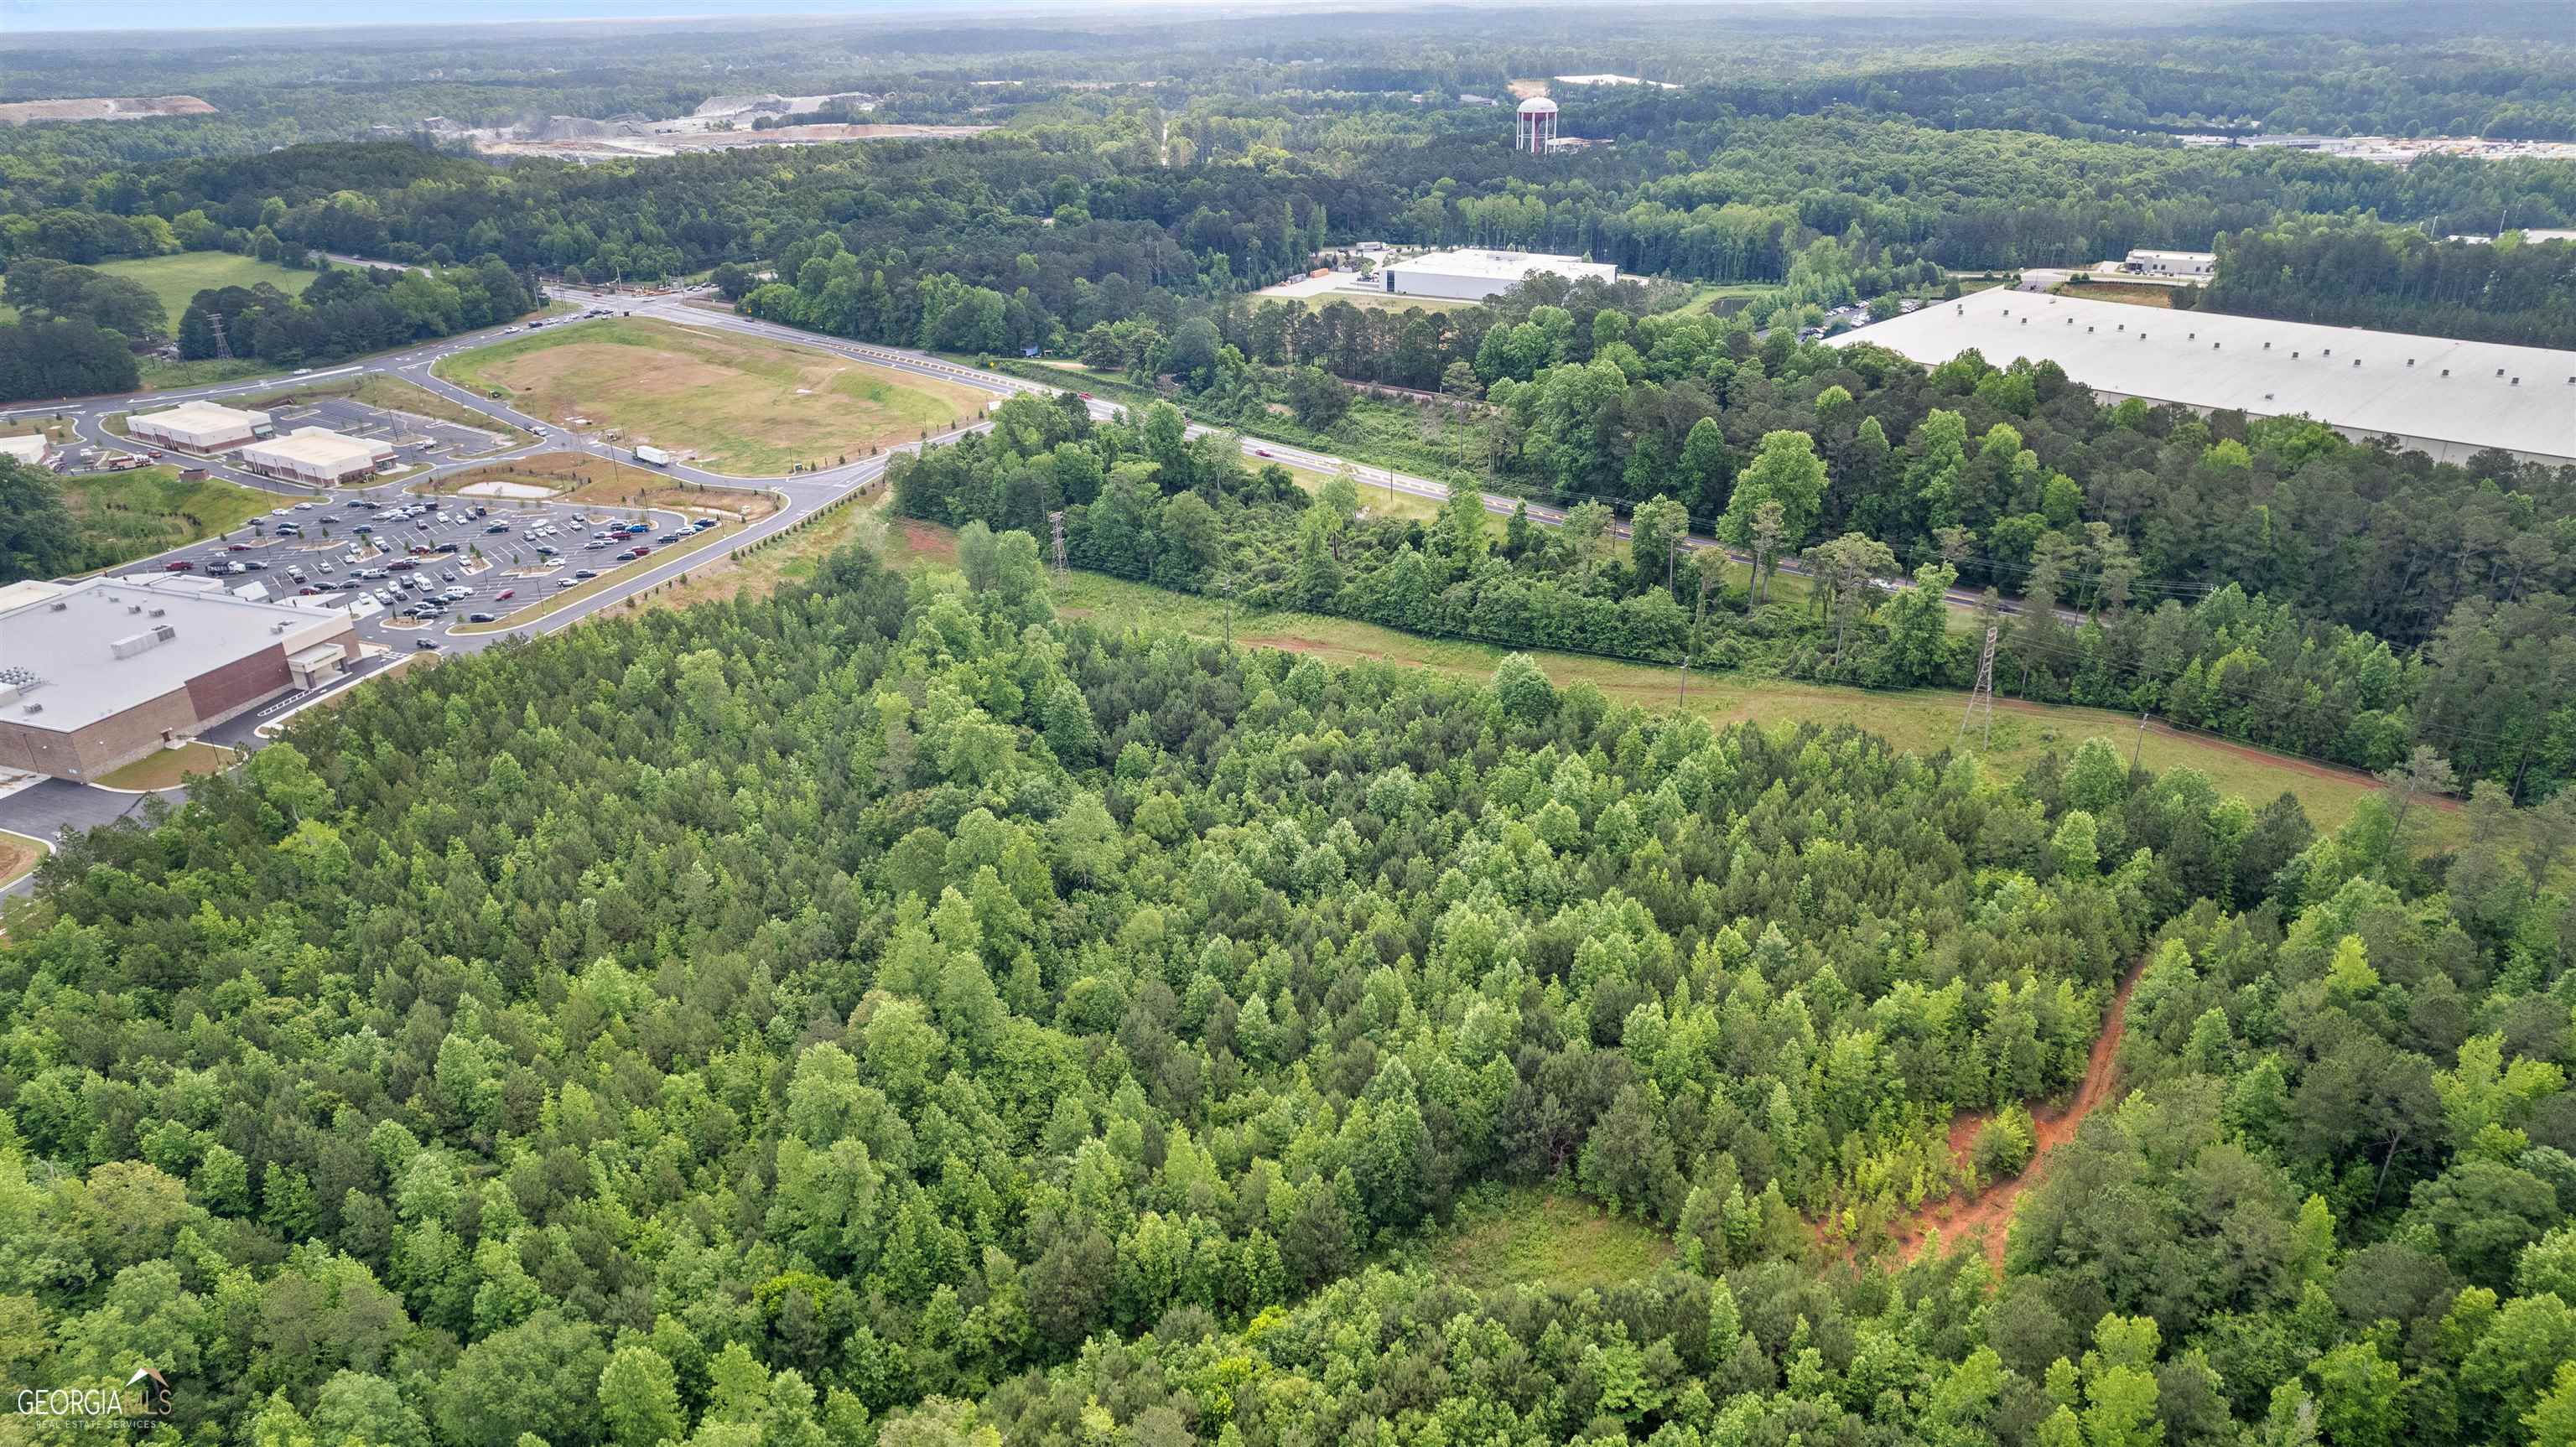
column 884, row 1009
column 878, row 1011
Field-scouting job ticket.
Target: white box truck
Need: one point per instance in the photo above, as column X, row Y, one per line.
column 652, row 457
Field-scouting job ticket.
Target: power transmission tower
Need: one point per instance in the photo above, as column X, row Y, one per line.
column 223, row 346
column 1055, row 520
column 1984, row 692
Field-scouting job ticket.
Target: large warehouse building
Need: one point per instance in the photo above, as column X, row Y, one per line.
column 99, row 673
column 2451, row 399
column 317, row 455
column 199, row 427
column 1475, row 275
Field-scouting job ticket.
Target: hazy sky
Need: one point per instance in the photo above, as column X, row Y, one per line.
column 23, row 15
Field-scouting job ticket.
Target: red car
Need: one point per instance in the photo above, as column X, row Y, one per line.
column 237, row 547
column 1261, row 452
column 505, row 593
column 179, row 565
column 639, row 552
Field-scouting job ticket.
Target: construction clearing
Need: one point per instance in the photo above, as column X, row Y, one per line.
column 103, row 108
column 723, row 402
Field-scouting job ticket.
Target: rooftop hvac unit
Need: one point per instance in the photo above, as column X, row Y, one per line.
column 59, row 607
column 133, row 607
column 33, row 708
column 2328, row 352
column 2356, row 361
column 159, row 613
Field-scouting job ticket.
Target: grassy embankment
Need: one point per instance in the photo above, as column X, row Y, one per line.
column 744, row 406
column 121, row 516
column 169, row 768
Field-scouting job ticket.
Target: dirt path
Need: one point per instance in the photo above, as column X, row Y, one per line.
column 1990, row 1210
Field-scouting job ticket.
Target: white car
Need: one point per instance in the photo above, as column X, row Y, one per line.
column 304, row 507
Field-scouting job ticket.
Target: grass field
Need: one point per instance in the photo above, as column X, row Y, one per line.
column 743, row 406
column 168, row 768
column 1541, row 1238
column 176, row 279
column 126, row 515
column 2142, row 294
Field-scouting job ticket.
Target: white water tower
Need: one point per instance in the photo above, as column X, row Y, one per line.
column 1534, row 127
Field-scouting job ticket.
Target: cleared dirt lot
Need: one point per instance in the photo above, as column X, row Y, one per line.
column 741, row 405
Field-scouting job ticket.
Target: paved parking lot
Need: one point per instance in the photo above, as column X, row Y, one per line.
column 416, row 439
column 424, row 564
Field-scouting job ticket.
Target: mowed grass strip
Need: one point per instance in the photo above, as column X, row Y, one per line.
column 1923, row 721
column 744, row 406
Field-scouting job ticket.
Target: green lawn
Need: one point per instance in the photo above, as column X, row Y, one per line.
column 745, row 406
column 127, row 515
column 176, row 279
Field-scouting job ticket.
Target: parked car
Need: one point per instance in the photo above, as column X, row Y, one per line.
column 480, row 618
column 178, row 565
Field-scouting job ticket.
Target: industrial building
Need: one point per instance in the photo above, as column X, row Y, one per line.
column 2450, row 399
column 1475, row 275
column 30, row 449
column 99, row 673
column 318, row 456
column 199, row 427
column 2185, row 265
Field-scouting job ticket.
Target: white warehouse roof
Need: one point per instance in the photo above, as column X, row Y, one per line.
column 317, row 448
column 206, row 418
column 1504, row 266
column 103, row 645
column 2448, row 397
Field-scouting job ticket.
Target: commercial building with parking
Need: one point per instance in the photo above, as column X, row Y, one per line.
column 317, row 455
column 1475, row 275
column 99, row 673
column 199, row 427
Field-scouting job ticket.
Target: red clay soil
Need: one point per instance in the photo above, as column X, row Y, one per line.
column 1990, row 1210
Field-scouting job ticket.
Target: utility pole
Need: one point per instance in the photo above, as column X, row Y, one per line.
column 1055, row 520
column 1984, row 692
column 2136, row 750
column 223, row 347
